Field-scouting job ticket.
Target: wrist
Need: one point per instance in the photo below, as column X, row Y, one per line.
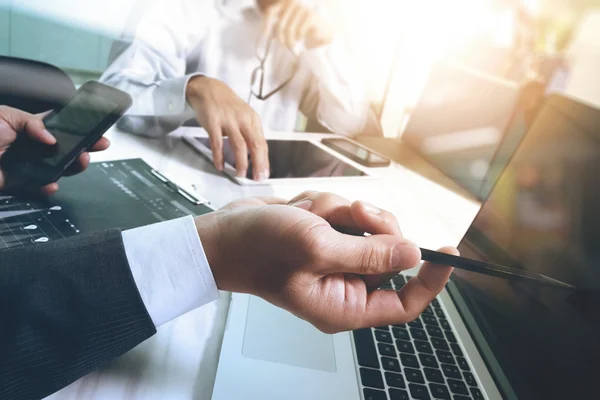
column 208, row 231
column 196, row 86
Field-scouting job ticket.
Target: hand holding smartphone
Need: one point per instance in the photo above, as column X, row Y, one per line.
column 77, row 127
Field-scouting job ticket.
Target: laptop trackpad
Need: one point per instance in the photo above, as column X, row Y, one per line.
column 275, row 335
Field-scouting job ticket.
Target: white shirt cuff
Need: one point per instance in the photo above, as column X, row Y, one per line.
column 170, row 99
column 170, row 268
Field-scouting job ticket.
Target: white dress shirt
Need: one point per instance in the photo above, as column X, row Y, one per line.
column 175, row 40
column 169, row 268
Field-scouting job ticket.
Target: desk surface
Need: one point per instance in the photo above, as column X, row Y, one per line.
column 180, row 362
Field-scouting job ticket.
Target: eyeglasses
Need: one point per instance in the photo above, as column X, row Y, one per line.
column 258, row 75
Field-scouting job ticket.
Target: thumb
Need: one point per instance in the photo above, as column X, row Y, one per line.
column 372, row 255
column 13, row 121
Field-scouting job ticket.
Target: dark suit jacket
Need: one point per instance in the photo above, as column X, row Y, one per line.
column 66, row 308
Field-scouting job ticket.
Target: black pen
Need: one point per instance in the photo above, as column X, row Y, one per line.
column 481, row 267
column 499, row 271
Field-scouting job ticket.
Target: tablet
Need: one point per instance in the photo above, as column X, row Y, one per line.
column 290, row 161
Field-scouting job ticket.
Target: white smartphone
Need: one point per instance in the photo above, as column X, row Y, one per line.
column 290, row 161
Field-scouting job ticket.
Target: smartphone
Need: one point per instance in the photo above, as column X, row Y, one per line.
column 76, row 126
column 356, row 152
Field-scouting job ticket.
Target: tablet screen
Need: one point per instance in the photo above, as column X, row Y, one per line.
column 294, row 159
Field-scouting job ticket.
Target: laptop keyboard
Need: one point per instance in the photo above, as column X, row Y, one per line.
column 420, row 360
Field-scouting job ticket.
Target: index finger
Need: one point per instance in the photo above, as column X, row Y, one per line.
column 254, row 202
column 386, row 307
column 259, row 151
column 238, row 144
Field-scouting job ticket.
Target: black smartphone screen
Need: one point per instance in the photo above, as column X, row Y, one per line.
column 357, row 153
column 73, row 123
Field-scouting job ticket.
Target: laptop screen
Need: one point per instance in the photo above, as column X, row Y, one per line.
column 459, row 121
column 543, row 215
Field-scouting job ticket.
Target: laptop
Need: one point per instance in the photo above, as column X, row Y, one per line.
column 483, row 337
column 460, row 120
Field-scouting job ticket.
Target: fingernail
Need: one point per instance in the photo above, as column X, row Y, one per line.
column 405, row 255
column 241, row 174
column 267, row 173
column 262, row 176
column 303, row 204
column 370, row 208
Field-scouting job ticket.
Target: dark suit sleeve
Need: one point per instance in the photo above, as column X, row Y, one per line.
column 66, row 308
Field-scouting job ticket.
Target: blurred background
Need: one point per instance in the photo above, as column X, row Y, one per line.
column 393, row 43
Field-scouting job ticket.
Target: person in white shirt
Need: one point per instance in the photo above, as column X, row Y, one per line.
column 238, row 67
column 71, row 305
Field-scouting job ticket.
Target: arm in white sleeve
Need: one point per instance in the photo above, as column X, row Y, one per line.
column 336, row 95
column 153, row 68
column 170, row 268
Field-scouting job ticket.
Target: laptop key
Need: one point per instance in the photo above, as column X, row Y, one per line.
column 403, row 326
column 463, row 364
column 439, row 312
column 390, row 364
column 396, row 394
column 423, row 347
column 400, row 333
column 436, row 303
column 395, row 380
column 457, row 387
column 419, row 392
column 459, row 397
column 428, row 311
column 383, row 328
column 476, row 393
column 372, row 394
column 428, row 360
column 414, row 375
column 434, row 331
column 383, row 336
column 439, row 391
column 445, row 357
column 386, row 286
column 408, row 360
column 445, row 324
column 416, row 323
column 430, row 320
column 366, row 353
column 451, row 371
column 371, row 378
column 456, row 349
column 405, row 347
column 450, row 336
column 470, row 379
column 418, row 334
column 386, row 349
column 434, row 375
column 439, row 343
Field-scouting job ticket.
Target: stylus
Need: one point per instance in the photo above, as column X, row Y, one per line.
column 481, row 267
column 486, row 268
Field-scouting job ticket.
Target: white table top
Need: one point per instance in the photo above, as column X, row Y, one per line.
column 180, row 362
